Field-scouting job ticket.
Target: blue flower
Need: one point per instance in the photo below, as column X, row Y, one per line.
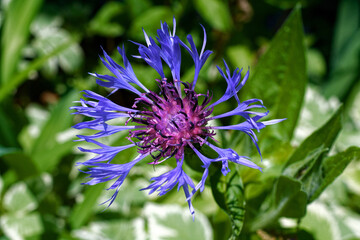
column 165, row 124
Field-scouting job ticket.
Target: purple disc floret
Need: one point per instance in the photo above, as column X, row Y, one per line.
column 164, row 125
column 172, row 121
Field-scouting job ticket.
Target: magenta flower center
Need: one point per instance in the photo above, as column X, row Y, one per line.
column 171, row 121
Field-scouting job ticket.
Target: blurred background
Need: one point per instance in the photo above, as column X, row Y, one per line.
column 49, row 47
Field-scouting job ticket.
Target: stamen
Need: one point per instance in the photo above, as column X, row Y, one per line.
column 191, row 125
column 157, row 116
column 181, row 102
column 174, row 152
column 158, row 106
column 161, row 134
column 174, row 123
column 183, row 113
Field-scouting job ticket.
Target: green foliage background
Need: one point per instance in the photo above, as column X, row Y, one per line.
column 304, row 61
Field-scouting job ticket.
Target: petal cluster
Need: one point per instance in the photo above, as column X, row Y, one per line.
column 163, row 125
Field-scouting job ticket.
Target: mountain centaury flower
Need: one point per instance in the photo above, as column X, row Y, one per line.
column 165, row 124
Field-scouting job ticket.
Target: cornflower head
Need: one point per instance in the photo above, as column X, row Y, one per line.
column 168, row 123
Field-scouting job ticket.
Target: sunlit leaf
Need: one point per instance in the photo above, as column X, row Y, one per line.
column 321, row 222
column 307, row 162
column 19, row 199
column 215, row 12
column 323, row 137
column 173, row 222
column 113, row 229
column 128, row 198
column 331, row 168
column 48, row 35
column 315, row 104
column 34, row 65
column 20, row 227
column 350, row 135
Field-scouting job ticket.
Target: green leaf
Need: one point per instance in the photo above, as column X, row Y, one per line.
column 83, row 210
column 176, row 223
column 34, row 65
column 193, row 161
column 307, row 162
column 47, row 149
column 287, row 200
column 332, row 167
column 8, row 136
column 37, row 116
column 22, row 164
column 280, row 79
column 322, row 138
column 286, row 4
column 344, row 73
column 350, row 134
column 71, row 59
column 20, row 227
column 48, row 35
column 300, row 168
column 128, row 198
column 19, row 199
column 11, row 122
column 5, row 150
column 9, row 178
column 240, row 55
column 113, row 229
column 316, row 65
column 102, row 23
column 347, row 23
column 346, row 46
column 41, row 186
column 228, row 193
column 150, row 20
column 321, row 222
column 309, row 120
column 14, row 35
column 137, row 7
column 216, row 13
column 1, row 186
column 288, row 195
